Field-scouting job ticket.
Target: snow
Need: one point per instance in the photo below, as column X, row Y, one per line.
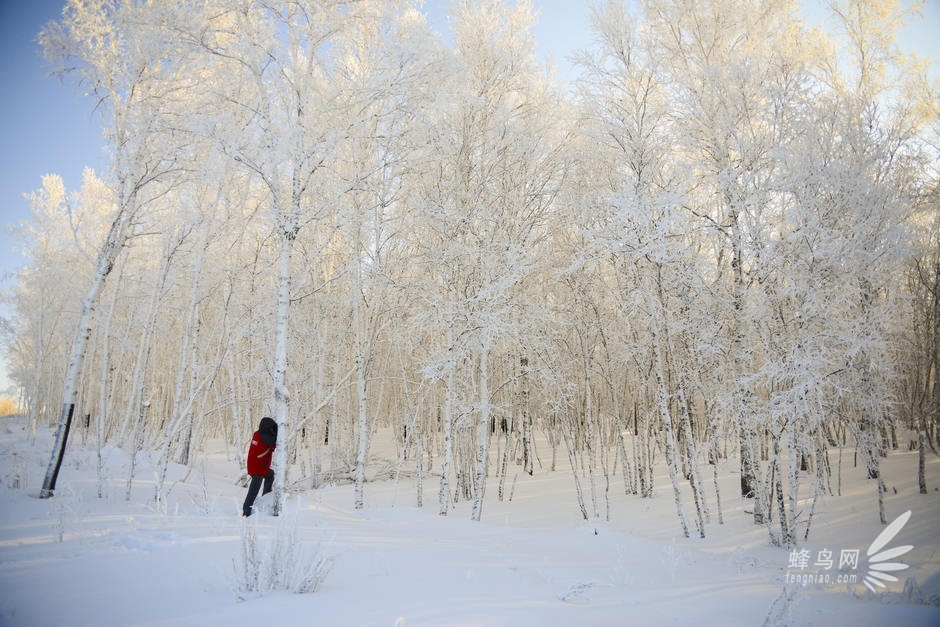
column 76, row 559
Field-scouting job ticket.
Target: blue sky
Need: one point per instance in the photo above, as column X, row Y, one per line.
column 47, row 128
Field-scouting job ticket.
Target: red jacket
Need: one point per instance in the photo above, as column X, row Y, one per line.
column 259, row 456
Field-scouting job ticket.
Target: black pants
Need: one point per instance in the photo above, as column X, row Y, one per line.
column 253, row 488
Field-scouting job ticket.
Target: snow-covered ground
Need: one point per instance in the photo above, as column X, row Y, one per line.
column 80, row 560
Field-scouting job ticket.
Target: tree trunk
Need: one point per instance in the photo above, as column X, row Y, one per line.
column 777, row 482
column 143, row 404
column 669, row 432
column 105, row 391
column 443, row 496
column 504, row 459
column 527, row 447
column 590, row 443
column 721, row 520
column 361, row 398
column 921, row 453
column 281, row 395
column 483, row 447
column 117, row 237
column 571, row 445
column 695, row 478
column 187, row 360
column 626, row 464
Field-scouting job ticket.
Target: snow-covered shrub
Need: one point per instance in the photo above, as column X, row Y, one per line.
column 67, row 510
column 911, row 594
column 280, row 563
column 18, row 477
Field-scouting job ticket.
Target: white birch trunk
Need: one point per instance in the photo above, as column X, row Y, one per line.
column 484, row 426
column 841, row 444
column 117, row 237
column 186, row 446
column 187, row 361
column 444, row 491
column 443, row 495
column 281, row 395
column 570, row 444
column 504, row 463
column 670, row 438
column 419, row 469
column 143, row 404
column 592, row 455
column 921, row 455
column 781, row 502
column 628, row 485
column 104, row 397
column 232, row 373
column 660, row 341
column 698, row 490
column 416, row 432
column 721, row 519
column 361, row 394
column 795, row 455
column 528, row 450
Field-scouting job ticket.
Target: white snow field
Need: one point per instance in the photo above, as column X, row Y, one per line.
column 77, row 559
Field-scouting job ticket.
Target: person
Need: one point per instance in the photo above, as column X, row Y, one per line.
column 260, row 453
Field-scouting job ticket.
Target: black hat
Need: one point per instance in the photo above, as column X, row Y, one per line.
column 268, row 431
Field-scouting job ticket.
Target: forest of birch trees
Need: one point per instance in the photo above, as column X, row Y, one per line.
column 716, row 247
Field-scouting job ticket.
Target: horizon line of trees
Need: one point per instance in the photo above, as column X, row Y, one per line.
column 723, row 242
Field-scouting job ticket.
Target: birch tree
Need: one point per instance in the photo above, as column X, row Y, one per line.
column 292, row 67
column 637, row 224
column 885, row 103
column 104, row 45
column 486, row 203
column 725, row 61
column 385, row 82
column 313, row 205
column 56, row 242
column 921, row 391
